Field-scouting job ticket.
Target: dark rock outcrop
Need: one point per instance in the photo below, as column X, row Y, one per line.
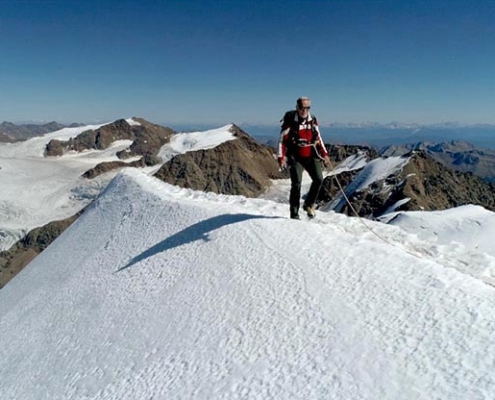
column 422, row 184
column 432, row 186
column 337, row 154
column 147, row 139
column 101, row 168
column 239, row 167
column 55, row 147
column 23, row 252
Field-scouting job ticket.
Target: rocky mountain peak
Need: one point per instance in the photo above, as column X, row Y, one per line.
column 147, row 139
column 239, row 167
column 242, row 166
column 420, row 184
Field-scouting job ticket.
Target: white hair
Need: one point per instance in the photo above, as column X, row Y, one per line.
column 301, row 99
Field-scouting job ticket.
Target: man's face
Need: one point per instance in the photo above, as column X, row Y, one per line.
column 303, row 109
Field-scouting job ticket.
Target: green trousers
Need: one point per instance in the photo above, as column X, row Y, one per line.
column 313, row 168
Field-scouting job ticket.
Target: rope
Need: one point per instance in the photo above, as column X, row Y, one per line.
column 315, row 145
column 352, row 207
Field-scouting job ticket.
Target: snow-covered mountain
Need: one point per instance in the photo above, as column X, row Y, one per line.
column 38, row 189
column 162, row 292
column 224, row 160
column 44, row 194
column 373, row 186
column 157, row 291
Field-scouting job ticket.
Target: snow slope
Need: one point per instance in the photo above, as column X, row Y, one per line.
column 194, row 141
column 469, row 225
column 160, row 292
column 36, row 190
column 351, row 163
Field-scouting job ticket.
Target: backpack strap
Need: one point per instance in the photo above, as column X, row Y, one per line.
column 314, row 122
column 291, row 120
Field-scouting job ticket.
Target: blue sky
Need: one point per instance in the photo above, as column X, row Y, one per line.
column 217, row 62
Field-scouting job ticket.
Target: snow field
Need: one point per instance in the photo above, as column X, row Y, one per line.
column 164, row 292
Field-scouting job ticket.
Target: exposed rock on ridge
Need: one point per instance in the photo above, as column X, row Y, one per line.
column 238, row 167
column 147, row 140
column 23, row 252
column 425, row 182
column 338, row 154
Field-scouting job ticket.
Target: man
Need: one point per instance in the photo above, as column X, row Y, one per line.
column 301, row 148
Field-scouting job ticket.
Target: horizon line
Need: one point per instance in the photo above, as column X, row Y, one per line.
column 245, row 123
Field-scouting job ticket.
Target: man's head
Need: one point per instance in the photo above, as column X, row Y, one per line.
column 303, row 105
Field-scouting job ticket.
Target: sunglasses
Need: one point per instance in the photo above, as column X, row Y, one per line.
column 304, row 108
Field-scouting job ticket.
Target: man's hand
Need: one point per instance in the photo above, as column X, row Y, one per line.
column 282, row 162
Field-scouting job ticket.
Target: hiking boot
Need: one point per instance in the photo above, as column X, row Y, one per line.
column 310, row 210
column 295, row 216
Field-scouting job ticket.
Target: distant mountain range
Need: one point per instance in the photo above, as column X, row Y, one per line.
column 410, row 177
column 362, row 133
column 459, row 155
column 147, row 139
column 380, row 135
column 385, row 135
column 10, row 132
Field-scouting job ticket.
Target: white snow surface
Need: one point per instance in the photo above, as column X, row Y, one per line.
column 469, row 225
column 193, row 141
column 132, row 122
column 356, row 161
column 397, row 204
column 160, row 292
column 36, row 190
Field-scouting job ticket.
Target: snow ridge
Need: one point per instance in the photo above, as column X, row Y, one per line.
column 40, row 190
column 162, row 292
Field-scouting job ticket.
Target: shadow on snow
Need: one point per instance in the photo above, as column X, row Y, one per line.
column 198, row 231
